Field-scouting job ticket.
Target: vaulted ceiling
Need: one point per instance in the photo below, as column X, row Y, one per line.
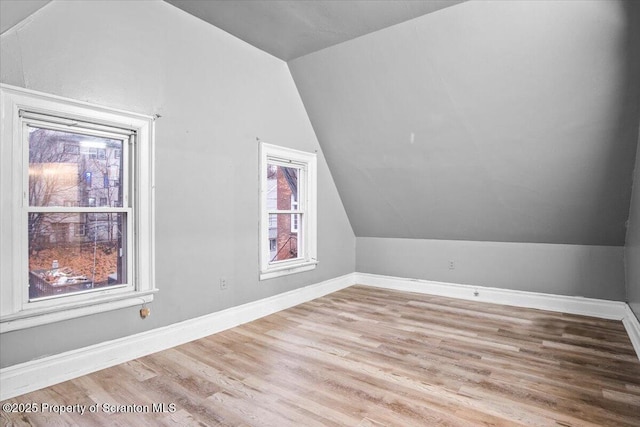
column 491, row 121
column 479, row 120
column 292, row 28
column 13, row 12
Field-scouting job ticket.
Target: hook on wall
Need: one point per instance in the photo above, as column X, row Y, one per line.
column 144, row 311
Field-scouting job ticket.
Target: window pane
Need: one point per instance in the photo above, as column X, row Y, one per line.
column 73, row 252
column 282, row 187
column 72, row 169
column 283, row 241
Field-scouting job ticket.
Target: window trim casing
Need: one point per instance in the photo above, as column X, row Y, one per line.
column 309, row 260
column 15, row 314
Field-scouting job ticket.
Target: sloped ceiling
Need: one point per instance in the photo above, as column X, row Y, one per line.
column 490, row 121
column 288, row 29
column 14, row 11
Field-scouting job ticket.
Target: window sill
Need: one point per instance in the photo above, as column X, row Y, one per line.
column 286, row 270
column 30, row 318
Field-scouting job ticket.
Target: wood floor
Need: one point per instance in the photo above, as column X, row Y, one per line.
column 365, row 356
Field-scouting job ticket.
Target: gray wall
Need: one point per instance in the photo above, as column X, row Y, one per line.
column 632, row 248
column 574, row 270
column 215, row 94
column 510, row 121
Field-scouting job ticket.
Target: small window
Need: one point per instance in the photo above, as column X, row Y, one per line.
column 66, row 227
column 71, row 149
column 288, row 218
column 81, row 229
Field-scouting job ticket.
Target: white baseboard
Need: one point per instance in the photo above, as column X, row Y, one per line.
column 575, row 305
column 605, row 309
column 632, row 325
column 39, row 373
column 36, row 374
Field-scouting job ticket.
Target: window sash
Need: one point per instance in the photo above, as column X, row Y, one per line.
column 35, row 120
column 72, row 299
column 302, row 181
column 300, row 210
column 127, row 154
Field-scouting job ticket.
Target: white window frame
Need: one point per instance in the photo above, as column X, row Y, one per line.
column 307, row 201
column 16, row 311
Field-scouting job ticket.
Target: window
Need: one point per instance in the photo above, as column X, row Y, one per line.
column 288, row 211
column 81, row 227
column 71, row 149
column 71, row 248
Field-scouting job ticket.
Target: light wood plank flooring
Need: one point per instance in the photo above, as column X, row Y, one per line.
column 365, row 356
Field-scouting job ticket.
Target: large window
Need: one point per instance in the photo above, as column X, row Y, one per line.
column 288, row 211
column 77, row 225
column 61, row 200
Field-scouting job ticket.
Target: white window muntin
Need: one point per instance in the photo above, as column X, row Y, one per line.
column 287, row 157
column 44, row 107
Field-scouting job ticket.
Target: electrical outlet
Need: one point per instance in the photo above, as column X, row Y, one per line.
column 452, row 265
column 223, row 283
